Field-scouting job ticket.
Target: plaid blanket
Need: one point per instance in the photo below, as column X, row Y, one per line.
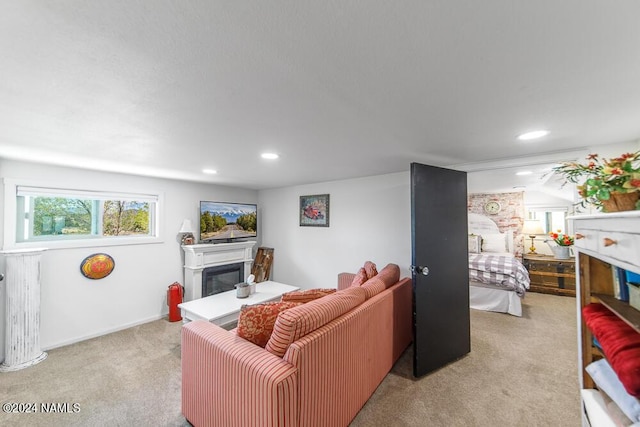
column 499, row 270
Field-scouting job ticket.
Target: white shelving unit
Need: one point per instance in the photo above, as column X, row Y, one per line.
column 602, row 241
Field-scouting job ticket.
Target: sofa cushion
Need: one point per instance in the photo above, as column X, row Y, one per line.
column 373, row 286
column 390, row 275
column 387, row 277
column 370, row 269
column 255, row 322
column 359, row 278
column 307, row 295
column 295, row 323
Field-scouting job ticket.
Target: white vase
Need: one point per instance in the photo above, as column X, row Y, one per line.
column 562, row 252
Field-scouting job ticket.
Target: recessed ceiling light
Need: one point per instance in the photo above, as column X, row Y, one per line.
column 522, row 173
column 269, row 156
column 533, row 135
column 209, row 171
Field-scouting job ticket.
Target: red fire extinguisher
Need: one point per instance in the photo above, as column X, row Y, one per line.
column 175, row 293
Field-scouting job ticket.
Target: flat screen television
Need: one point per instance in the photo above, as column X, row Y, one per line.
column 225, row 222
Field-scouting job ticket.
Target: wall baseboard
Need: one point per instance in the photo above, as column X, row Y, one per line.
column 104, row 332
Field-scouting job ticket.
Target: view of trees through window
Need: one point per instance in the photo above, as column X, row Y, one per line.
column 125, row 218
column 63, row 216
column 54, row 215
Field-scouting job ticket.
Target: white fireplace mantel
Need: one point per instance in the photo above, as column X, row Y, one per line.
column 199, row 257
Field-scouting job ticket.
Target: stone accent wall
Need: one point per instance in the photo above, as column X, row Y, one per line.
column 510, row 217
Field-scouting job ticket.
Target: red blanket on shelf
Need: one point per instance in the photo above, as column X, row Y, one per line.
column 620, row 344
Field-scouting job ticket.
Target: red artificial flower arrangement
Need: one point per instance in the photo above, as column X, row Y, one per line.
column 561, row 239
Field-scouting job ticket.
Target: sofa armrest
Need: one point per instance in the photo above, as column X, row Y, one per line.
column 229, row 381
column 344, row 280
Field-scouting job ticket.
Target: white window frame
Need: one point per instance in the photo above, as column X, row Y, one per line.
column 533, row 209
column 10, row 215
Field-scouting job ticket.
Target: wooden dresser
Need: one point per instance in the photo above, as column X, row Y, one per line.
column 550, row 275
column 603, row 241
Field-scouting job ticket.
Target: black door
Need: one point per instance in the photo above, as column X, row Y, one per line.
column 439, row 241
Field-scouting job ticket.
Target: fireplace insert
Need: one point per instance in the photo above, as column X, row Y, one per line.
column 221, row 278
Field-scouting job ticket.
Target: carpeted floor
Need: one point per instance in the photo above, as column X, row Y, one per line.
column 521, row 371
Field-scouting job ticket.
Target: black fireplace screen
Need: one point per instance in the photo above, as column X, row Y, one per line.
column 221, row 278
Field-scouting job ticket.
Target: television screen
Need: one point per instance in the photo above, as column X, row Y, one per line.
column 224, row 222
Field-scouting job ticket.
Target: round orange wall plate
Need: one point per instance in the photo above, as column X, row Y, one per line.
column 97, row 266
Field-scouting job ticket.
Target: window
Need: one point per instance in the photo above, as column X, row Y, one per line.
column 552, row 219
column 55, row 216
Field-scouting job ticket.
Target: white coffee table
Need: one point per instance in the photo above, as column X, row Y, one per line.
column 224, row 307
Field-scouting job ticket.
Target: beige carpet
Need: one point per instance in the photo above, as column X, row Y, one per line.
column 128, row 378
column 521, row 371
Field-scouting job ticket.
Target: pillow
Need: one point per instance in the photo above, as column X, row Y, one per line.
column 360, row 278
column 256, row 322
column 306, row 295
column 370, row 269
column 494, row 243
column 373, row 287
column 475, row 243
column 390, row 275
column 293, row 324
column 607, row 381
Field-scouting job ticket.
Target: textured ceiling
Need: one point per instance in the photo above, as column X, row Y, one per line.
column 338, row 89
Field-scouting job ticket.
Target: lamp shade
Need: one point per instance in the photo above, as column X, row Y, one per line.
column 532, row 227
column 186, row 227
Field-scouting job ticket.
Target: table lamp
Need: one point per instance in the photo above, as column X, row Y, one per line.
column 532, row 227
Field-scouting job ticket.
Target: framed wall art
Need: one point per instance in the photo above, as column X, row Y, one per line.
column 314, row 210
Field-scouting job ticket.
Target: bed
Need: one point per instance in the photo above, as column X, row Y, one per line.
column 497, row 279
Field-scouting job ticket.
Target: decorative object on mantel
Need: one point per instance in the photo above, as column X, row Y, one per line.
column 314, row 210
column 97, row 266
column 562, row 249
column 187, row 232
column 261, row 268
column 531, row 228
column 612, row 185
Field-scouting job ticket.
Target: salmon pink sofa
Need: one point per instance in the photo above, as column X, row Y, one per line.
column 323, row 361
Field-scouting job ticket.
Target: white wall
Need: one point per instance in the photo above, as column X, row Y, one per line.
column 76, row 308
column 370, row 219
column 540, row 199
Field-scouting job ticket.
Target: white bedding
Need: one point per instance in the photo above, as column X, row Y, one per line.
column 505, row 272
column 484, row 296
